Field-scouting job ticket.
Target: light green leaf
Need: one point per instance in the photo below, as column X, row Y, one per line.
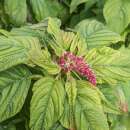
column 46, row 8
column 117, row 14
column 67, row 119
column 46, row 104
column 34, row 30
column 108, row 105
column 75, row 3
column 71, row 91
column 88, row 109
column 109, row 65
column 16, row 10
column 14, row 86
column 96, row 34
column 46, row 62
column 57, row 41
column 17, row 50
column 67, row 40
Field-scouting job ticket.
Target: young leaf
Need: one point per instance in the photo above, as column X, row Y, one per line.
column 96, row 34
column 46, row 104
column 57, row 41
column 14, row 86
column 88, row 109
column 109, row 65
column 117, row 14
column 16, row 10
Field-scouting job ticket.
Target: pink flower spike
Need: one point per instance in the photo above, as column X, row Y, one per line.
column 68, row 62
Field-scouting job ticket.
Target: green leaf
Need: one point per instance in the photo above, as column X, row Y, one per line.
column 123, row 95
column 58, row 126
column 117, row 14
column 67, row 40
column 57, row 41
column 109, row 65
column 96, row 34
column 88, row 109
column 71, row 91
column 110, row 105
column 67, row 119
column 16, row 10
column 46, row 8
column 14, row 86
column 75, row 3
column 46, row 62
column 17, row 50
column 46, row 104
column 34, row 30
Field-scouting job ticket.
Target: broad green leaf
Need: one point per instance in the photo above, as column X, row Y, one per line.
column 17, row 50
column 123, row 95
column 34, row 30
column 27, row 31
column 88, row 109
column 109, row 65
column 16, row 10
column 75, row 3
column 96, row 34
column 14, row 86
column 46, row 104
column 117, row 14
column 110, row 105
column 67, row 119
column 46, row 8
column 71, row 91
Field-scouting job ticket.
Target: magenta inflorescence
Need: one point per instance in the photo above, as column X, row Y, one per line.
column 69, row 62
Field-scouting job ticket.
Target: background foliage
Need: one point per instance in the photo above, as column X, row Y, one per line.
column 35, row 94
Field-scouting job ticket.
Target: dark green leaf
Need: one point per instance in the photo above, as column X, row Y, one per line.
column 16, row 10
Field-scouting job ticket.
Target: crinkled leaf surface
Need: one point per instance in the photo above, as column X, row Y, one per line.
column 46, row 104
column 109, row 65
column 117, row 14
column 16, row 10
column 96, row 34
column 14, row 86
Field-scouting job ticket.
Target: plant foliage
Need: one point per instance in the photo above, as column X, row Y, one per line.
column 64, row 64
